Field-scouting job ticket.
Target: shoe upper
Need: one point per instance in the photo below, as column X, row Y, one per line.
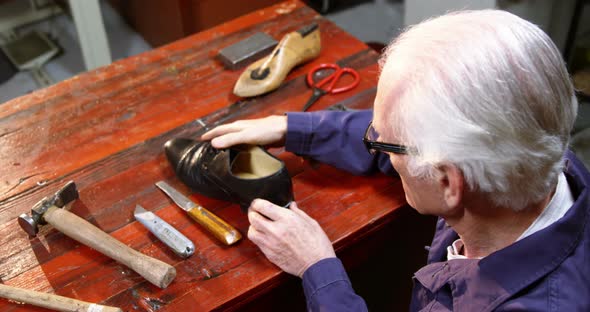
column 238, row 174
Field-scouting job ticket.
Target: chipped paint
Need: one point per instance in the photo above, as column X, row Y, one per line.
column 33, row 279
column 209, row 274
column 155, row 304
column 172, row 69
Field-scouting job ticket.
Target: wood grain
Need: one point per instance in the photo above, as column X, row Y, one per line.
column 50, row 301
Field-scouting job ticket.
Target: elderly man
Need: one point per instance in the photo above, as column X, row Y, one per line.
column 473, row 111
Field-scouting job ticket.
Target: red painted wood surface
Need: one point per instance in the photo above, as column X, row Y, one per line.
column 105, row 130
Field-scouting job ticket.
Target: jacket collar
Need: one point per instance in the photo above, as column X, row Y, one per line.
column 503, row 273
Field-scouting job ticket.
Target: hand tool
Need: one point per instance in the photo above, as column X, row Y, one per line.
column 332, row 79
column 245, row 51
column 268, row 73
column 51, row 301
column 179, row 243
column 341, row 108
column 48, row 211
column 219, row 228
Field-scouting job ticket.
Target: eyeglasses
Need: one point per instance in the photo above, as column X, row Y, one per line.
column 373, row 146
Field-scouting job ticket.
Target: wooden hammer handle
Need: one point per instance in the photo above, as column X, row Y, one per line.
column 51, row 301
column 157, row 272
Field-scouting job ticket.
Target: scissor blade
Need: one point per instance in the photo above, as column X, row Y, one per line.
column 180, row 200
column 317, row 93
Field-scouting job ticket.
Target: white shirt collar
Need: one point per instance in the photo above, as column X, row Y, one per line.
column 560, row 203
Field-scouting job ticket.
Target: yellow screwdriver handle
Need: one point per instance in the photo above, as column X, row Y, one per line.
column 219, row 228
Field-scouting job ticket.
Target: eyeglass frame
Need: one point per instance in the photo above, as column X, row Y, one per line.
column 376, row 146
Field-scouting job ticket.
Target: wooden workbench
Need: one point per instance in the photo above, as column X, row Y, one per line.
column 105, row 130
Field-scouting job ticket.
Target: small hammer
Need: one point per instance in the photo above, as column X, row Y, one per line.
column 51, row 301
column 48, row 210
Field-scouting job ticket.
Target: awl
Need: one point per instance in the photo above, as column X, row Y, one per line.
column 219, row 228
column 170, row 236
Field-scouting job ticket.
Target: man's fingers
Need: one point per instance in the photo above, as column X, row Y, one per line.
column 231, row 139
column 221, row 130
column 215, row 132
column 268, row 209
column 258, row 221
column 254, row 235
column 293, row 206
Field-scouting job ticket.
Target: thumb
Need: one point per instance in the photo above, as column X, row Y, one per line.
column 298, row 211
column 293, row 206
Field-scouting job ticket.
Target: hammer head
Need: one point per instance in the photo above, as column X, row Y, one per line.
column 61, row 198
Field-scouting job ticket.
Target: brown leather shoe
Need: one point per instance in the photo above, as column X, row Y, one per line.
column 238, row 174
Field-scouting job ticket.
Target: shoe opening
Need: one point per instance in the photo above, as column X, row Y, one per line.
column 252, row 162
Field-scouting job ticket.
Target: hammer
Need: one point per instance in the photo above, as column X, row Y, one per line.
column 51, row 301
column 48, row 210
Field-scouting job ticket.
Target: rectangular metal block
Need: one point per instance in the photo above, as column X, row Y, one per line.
column 246, row 51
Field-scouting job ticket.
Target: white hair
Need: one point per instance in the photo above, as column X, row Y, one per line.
column 487, row 92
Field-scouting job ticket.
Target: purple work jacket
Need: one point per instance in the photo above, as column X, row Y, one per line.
column 546, row 271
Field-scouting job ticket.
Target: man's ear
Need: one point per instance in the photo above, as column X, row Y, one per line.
column 452, row 184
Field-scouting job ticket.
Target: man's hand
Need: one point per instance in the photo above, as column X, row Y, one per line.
column 263, row 131
column 289, row 238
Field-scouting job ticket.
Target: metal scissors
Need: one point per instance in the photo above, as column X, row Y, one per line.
column 330, row 81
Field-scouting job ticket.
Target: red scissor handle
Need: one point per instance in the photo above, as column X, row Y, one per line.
column 333, row 78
